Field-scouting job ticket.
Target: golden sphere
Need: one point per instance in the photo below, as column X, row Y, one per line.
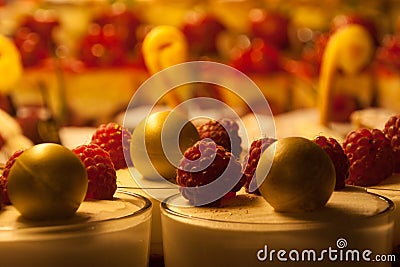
column 47, row 181
column 301, row 177
column 158, row 144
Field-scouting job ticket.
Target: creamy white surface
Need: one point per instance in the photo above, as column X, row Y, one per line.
column 89, row 211
column 352, row 203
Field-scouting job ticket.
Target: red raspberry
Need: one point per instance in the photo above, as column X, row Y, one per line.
column 392, row 132
column 370, row 156
column 100, row 170
column 257, row 147
column 224, row 132
column 203, row 163
column 4, row 176
column 335, row 151
column 114, row 139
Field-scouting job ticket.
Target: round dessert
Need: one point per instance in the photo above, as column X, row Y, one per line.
column 47, row 181
column 301, row 178
column 102, row 233
column 158, row 142
column 248, row 232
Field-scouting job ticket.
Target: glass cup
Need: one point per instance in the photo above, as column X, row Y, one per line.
column 390, row 188
column 127, row 180
column 248, row 232
column 102, row 233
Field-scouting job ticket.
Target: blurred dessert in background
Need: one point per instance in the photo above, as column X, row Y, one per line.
column 86, row 57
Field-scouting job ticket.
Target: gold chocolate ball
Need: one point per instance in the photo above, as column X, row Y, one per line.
column 301, row 178
column 47, row 181
column 158, row 144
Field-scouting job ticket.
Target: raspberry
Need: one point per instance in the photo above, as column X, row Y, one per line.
column 111, row 138
column 335, row 151
column 203, row 163
column 370, row 156
column 100, row 170
column 224, row 132
column 4, row 177
column 392, row 132
column 257, row 147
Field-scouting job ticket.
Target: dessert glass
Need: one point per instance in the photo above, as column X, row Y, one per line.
column 390, row 189
column 127, row 180
column 248, row 232
column 102, row 233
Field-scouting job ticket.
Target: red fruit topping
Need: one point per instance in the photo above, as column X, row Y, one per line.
column 4, row 175
column 259, row 57
column 111, row 38
column 34, row 38
column 124, row 22
column 313, row 54
column 101, row 47
column 223, row 132
column 392, row 132
column 270, row 26
column 100, row 170
column 114, row 139
column 199, row 27
column 370, row 156
column 257, row 147
column 206, row 162
column 388, row 55
column 338, row 157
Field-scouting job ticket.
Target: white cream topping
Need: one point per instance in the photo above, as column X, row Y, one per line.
column 351, row 203
column 89, row 211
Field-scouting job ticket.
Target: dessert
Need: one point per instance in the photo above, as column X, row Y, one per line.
column 128, row 179
column 244, row 230
column 72, row 60
column 104, row 232
column 46, row 185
